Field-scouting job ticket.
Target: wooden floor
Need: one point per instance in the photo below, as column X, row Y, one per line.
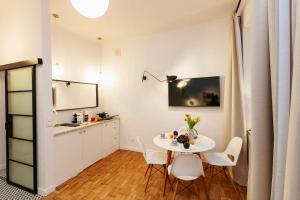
column 121, row 176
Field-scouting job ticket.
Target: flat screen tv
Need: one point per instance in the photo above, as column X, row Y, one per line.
column 195, row 92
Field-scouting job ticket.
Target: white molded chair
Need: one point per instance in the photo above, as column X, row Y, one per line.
column 153, row 157
column 225, row 159
column 187, row 167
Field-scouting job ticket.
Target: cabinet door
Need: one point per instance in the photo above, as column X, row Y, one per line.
column 115, row 127
column 90, row 145
column 68, row 156
column 111, row 135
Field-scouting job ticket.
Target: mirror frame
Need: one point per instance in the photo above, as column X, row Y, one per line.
column 65, row 81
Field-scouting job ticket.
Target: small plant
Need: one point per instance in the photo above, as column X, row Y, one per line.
column 190, row 121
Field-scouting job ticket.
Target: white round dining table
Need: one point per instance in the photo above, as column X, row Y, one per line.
column 202, row 144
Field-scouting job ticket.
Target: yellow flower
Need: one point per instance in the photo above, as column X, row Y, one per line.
column 197, row 119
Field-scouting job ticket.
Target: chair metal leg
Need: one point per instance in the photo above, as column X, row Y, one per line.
column 205, row 188
column 176, row 187
column 151, row 167
column 211, row 176
column 168, row 177
column 224, row 172
column 196, row 190
column 147, row 170
column 233, row 184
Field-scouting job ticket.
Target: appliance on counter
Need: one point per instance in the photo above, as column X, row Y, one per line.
column 74, row 120
column 102, row 115
column 81, row 118
column 195, row 92
column 105, row 116
column 78, row 118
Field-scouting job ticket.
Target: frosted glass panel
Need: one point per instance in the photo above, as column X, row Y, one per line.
column 21, row 174
column 21, row 151
column 22, row 127
column 19, row 79
column 20, row 103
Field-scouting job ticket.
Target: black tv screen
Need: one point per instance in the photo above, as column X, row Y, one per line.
column 195, row 92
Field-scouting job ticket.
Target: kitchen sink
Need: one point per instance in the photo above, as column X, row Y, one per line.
column 70, row 125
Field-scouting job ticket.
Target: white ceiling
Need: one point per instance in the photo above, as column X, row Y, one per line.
column 140, row 17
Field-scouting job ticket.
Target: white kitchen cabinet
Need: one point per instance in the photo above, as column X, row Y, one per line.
column 90, row 145
column 76, row 150
column 68, row 156
column 110, row 137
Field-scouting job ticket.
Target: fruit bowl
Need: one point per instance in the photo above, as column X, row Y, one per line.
column 182, row 139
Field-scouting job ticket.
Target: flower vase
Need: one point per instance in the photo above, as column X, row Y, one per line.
column 192, row 134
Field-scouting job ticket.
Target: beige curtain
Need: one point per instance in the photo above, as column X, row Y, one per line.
column 274, row 153
column 292, row 175
column 261, row 139
column 234, row 103
column 280, row 66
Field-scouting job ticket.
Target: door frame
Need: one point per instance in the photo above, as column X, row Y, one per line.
column 8, row 127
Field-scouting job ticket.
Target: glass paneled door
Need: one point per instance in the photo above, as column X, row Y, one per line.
column 21, row 128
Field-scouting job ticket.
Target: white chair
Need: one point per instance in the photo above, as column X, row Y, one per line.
column 153, row 157
column 187, row 167
column 225, row 159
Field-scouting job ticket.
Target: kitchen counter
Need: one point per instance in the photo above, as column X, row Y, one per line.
column 65, row 129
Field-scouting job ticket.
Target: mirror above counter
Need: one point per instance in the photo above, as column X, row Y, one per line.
column 72, row 95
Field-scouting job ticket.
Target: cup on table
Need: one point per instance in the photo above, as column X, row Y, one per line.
column 163, row 136
column 174, row 142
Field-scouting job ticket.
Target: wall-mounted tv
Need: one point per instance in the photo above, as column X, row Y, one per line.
column 195, row 92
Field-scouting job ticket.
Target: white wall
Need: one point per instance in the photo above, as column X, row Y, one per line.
column 77, row 59
column 25, row 34
column 196, row 51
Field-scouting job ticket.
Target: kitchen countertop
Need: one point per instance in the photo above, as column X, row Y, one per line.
column 65, row 129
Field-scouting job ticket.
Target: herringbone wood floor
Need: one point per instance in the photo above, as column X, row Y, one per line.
column 120, row 176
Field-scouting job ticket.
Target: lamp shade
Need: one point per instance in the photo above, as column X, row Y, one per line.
column 91, row 8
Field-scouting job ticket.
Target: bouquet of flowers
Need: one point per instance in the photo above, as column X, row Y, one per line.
column 191, row 122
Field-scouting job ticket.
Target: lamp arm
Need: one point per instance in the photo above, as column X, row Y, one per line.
column 152, row 76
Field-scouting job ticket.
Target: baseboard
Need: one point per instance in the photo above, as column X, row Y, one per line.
column 2, row 166
column 130, row 148
column 46, row 191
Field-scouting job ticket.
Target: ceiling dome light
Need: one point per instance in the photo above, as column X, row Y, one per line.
column 91, row 8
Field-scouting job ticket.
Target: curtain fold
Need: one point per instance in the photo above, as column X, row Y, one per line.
column 235, row 124
column 280, row 67
column 292, row 175
column 261, row 139
column 275, row 76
